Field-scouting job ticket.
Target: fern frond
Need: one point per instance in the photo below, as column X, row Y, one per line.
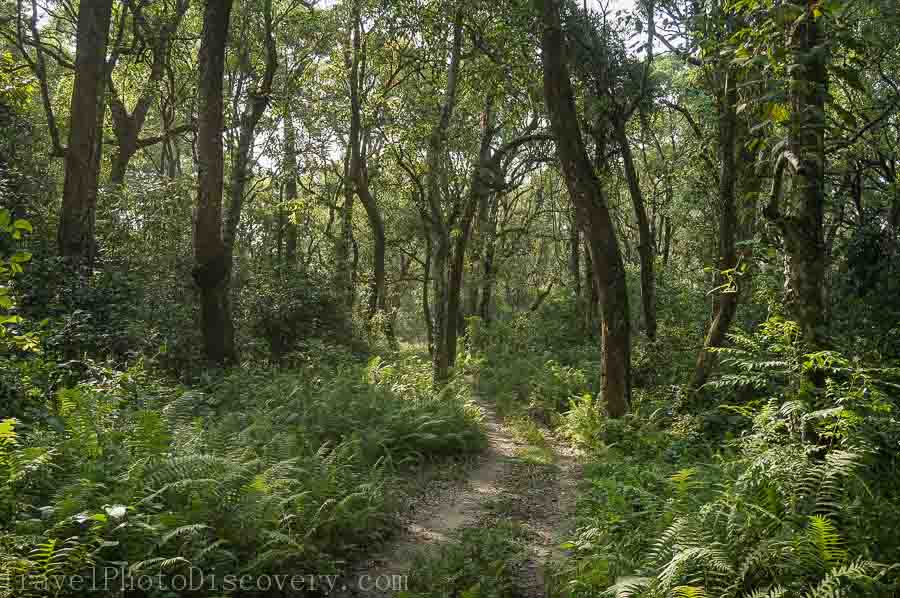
column 688, row 592
column 834, row 582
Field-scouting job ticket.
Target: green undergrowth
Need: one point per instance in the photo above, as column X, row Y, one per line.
column 778, row 479
column 765, row 486
column 481, row 562
column 255, row 472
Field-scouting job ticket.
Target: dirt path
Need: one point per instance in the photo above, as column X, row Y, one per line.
column 504, row 484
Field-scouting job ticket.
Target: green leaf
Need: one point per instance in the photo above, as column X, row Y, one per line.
column 23, row 225
column 779, row 113
column 8, row 431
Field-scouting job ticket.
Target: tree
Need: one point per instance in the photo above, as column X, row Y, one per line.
column 802, row 161
column 736, row 180
column 592, row 208
column 439, row 227
column 82, row 155
column 211, row 257
column 290, row 191
column 245, row 121
column 127, row 126
column 617, row 98
column 359, row 171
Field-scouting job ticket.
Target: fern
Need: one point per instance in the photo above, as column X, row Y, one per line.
column 835, row 582
column 8, row 441
column 824, row 543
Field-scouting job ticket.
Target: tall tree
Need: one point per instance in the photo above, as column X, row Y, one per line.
column 211, row 267
column 290, row 186
column 727, row 299
column 586, row 191
column 82, row 156
column 440, row 229
column 737, row 180
column 618, row 87
column 359, row 171
column 246, row 121
column 802, row 162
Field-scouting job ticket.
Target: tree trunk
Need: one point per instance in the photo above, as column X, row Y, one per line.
column 575, row 264
column 376, row 223
column 358, row 164
column 592, row 309
column 211, row 269
column 426, row 308
column 539, row 300
column 290, row 190
column 488, row 269
column 127, row 127
column 479, row 192
column 256, row 104
column 802, row 225
column 667, row 243
column 478, row 252
column 646, row 244
column 125, row 150
column 440, row 276
column 726, row 299
column 439, row 228
column 343, row 269
column 894, row 217
column 457, row 266
column 590, row 201
column 82, row 157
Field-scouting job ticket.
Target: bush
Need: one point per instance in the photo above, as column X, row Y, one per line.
column 288, row 309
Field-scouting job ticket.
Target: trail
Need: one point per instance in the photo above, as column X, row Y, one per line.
column 539, row 497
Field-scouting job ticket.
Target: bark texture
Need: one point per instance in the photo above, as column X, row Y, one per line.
column 801, row 219
column 211, row 267
column 82, row 156
column 725, row 305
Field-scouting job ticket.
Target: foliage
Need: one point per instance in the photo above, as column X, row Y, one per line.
column 261, row 472
column 119, row 443
column 481, row 563
column 11, row 335
column 290, row 309
column 783, row 508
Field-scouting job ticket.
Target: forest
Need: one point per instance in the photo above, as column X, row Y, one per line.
column 450, row 298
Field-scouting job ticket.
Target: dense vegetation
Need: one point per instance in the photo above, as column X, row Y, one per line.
column 265, row 263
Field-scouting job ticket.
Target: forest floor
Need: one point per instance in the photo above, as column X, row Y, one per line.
column 525, row 478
